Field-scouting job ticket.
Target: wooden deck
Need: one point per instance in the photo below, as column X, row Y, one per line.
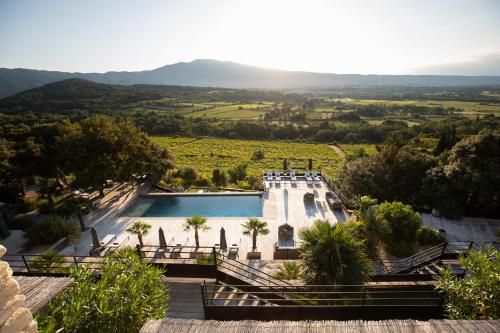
column 39, row 290
column 185, row 298
column 387, row 326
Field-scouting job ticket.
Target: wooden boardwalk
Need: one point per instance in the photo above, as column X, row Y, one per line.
column 39, row 290
column 355, row 326
column 185, row 298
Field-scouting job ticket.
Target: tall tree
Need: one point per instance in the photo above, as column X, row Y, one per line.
column 467, row 181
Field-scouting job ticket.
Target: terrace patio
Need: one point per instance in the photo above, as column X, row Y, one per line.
column 282, row 203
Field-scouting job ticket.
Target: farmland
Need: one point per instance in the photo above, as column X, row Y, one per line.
column 206, row 154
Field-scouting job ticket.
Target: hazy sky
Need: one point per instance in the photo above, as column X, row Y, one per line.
column 372, row 36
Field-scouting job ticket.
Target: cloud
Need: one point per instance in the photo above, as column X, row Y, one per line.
column 488, row 65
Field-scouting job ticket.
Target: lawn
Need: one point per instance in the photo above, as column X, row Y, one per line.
column 206, row 154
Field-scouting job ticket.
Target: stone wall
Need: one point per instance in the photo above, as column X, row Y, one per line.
column 14, row 317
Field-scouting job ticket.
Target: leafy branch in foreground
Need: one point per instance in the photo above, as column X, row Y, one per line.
column 127, row 293
column 477, row 295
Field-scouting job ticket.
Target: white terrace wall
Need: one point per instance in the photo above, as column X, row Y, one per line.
column 14, row 317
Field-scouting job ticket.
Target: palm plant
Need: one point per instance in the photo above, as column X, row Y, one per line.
column 140, row 229
column 196, row 222
column 333, row 255
column 254, row 227
column 288, row 270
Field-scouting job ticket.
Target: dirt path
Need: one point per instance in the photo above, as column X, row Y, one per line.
column 339, row 151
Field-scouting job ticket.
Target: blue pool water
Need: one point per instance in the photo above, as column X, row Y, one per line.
column 204, row 205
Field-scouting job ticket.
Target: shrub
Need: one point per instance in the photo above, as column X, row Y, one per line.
column 255, row 182
column 237, row 173
column 43, row 206
column 258, row 155
column 50, row 261
column 243, row 184
column 402, row 225
column 477, row 296
column 177, row 181
column 203, row 181
column 429, row 236
column 288, row 270
column 128, row 292
column 219, row 177
column 51, row 230
column 188, row 174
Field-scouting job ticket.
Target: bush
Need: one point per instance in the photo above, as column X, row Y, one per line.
column 177, row 181
column 402, row 225
column 188, row 174
column 288, row 270
column 128, row 293
column 476, row 297
column 219, row 177
column 51, row 230
column 238, row 173
column 203, row 181
column 243, row 184
column 43, row 206
column 48, row 262
column 400, row 248
column 255, row 182
column 429, row 236
column 258, row 155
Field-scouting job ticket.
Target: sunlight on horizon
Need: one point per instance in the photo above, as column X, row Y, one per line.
column 384, row 37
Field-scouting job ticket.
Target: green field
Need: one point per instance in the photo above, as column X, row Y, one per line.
column 206, row 154
column 475, row 107
column 352, row 149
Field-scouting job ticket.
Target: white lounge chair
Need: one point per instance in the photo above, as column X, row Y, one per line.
column 122, row 238
column 293, row 177
column 277, row 176
column 316, row 177
column 108, row 239
column 308, row 177
column 269, row 176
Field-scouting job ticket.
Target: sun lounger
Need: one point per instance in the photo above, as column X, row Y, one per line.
column 108, row 239
column 293, row 177
column 308, row 177
column 233, row 249
column 269, row 176
column 315, row 176
column 122, row 238
column 278, row 176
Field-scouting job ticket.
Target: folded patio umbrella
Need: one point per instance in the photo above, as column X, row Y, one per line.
column 95, row 239
column 223, row 242
column 163, row 242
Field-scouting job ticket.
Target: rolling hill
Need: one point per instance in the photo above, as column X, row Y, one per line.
column 214, row 73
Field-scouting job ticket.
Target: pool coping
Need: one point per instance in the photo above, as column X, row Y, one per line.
column 185, row 194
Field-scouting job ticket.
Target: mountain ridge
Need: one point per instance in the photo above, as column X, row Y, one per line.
column 228, row 74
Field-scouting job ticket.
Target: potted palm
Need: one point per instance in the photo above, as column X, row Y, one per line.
column 140, row 229
column 196, row 223
column 253, row 227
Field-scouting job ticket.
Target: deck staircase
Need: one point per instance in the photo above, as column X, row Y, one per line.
column 430, row 261
column 222, row 294
column 247, row 274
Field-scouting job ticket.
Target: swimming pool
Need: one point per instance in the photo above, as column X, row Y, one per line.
column 189, row 205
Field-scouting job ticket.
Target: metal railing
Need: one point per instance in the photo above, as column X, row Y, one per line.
column 323, row 295
column 246, row 272
column 435, row 253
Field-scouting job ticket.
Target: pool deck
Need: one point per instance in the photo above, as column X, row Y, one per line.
column 282, row 203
